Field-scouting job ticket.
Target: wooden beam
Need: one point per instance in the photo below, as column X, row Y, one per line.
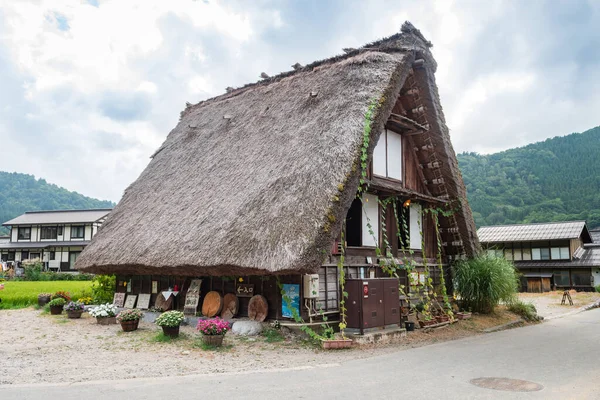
column 419, row 170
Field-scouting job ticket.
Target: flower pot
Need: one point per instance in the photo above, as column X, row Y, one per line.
column 463, row 315
column 213, row 340
column 424, row 324
column 442, row 318
column 56, row 310
column 74, row 314
column 172, row 331
column 129, row 326
column 106, row 320
column 410, row 326
column 42, row 301
column 333, row 344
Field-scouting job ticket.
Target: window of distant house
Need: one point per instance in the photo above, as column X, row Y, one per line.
column 48, row 232
column 52, row 256
column 387, row 156
column 59, row 231
column 24, row 233
column 11, row 256
column 24, row 255
column 561, row 278
column 540, row 254
column 77, row 231
column 560, row 253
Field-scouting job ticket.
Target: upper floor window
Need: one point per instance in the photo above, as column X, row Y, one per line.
column 59, row 231
column 48, row 232
column 362, row 222
column 77, row 231
column 387, row 156
column 24, row 233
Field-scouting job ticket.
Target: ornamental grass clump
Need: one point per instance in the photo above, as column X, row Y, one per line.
column 484, row 281
column 170, row 319
column 103, row 311
column 130, row 315
column 75, row 306
column 213, row 327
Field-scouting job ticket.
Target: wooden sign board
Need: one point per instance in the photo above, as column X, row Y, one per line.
column 191, row 303
column 154, row 287
column 130, row 302
column 244, row 290
column 143, row 301
column 119, row 300
column 195, row 286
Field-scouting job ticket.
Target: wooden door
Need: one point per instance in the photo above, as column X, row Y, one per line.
column 546, row 287
column 534, row 285
column 391, row 302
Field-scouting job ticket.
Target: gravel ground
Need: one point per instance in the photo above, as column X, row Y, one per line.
column 548, row 304
column 37, row 348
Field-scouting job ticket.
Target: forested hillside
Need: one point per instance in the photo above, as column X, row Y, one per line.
column 554, row 180
column 20, row 193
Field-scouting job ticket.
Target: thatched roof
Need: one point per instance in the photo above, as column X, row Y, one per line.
column 257, row 180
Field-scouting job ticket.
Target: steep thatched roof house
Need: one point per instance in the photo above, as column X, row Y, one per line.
column 260, row 180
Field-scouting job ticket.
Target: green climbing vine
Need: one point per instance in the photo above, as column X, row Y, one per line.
column 342, row 280
column 314, row 336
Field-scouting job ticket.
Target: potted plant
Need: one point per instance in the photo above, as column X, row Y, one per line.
column 56, row 306
column 104, row 314
column 130, row 319
column 62, row 295
column 43, row 299
column 169, row 322
column 213, row 330
column 74, row 309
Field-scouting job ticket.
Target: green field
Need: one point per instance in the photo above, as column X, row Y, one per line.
column 24, row 294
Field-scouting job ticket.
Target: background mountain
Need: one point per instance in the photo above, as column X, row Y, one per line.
column 21, row 192
column 554, row 180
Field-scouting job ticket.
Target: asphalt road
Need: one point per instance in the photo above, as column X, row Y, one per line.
column 561, row 355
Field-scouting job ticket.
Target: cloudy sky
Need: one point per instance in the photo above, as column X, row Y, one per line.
column 90, row 88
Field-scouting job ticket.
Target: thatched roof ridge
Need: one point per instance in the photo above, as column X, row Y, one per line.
column 409, row 39
column 257, row 180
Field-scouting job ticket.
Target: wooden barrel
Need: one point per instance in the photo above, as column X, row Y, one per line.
column 231, row 305
column 258, row 308
column 212, row 304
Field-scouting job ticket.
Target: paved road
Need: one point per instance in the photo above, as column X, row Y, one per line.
column 562, row 355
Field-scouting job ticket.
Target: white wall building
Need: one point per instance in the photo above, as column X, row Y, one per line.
column 55, row 237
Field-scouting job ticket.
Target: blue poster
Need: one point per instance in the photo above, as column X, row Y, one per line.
column 293, row 292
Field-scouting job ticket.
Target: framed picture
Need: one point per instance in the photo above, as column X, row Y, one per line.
column 130, row 302
column 143, row 301
column 119, row 299
column 195, row 286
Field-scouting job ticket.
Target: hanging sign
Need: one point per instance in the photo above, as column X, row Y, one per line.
column 244, row 290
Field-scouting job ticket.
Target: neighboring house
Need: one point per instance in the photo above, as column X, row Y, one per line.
column 557, row 255
column 259, row 182
column 55, row 237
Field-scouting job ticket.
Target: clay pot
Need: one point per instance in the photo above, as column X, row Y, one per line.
column 74, row 314
column 213, row 340
column 56, row 310
column 106, row 320
column 130, row 326
column 172, row 331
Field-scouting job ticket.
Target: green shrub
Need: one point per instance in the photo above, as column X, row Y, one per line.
column 32, row 270
column 483, row 282
column 59, row 301
column 103, row 288
column 597, row 288
column 526, row 310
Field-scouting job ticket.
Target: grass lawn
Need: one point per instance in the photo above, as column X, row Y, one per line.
column 24, row 294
